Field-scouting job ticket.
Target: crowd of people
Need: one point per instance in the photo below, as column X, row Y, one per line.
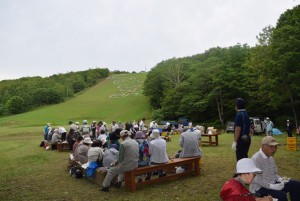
column 120, row 148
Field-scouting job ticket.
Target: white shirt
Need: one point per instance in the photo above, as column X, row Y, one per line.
column 158, row 151
column 61, row 130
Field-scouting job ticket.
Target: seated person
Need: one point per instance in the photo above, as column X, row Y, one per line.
column 127, row 160
column 81, row 153
column 110, row 155
column 113, row 138
column 189, row 141
column 269, row 182
column 102, row 135
column 55, row 137
column 78, row 140
column 158, row 151
column 144, row 156
column 235, row 188
column 95, row 153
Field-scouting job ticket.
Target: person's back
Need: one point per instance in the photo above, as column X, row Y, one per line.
column 82, row 153
column 95, row 154
column 234, row 190
column 158, row 151
column 131, row 154
column 110, row 156
column 189, row 141
column 55, row 138
column 144, row 156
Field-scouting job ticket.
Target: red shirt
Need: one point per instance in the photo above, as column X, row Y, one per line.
column 233, row 190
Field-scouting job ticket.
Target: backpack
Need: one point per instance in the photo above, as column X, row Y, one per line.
column 85, row 129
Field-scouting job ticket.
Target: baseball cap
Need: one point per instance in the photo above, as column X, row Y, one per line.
column 269, row 140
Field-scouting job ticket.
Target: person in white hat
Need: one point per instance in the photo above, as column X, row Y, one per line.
column 127, row 160
column 82, row 150
column 269, row 182
column 269, row 127
column 289, row 128
column 235, row 188
column 158, row 150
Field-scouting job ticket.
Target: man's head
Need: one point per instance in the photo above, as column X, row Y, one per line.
column 269, row 145
column 240, row 103
column 124, row 134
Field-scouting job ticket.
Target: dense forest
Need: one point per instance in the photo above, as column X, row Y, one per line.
column 20, row 95
column 204, row 87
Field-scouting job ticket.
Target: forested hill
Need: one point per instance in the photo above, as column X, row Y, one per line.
column 204, row 87
column 20, row 95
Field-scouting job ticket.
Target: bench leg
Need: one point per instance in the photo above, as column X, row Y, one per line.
column 197, row 167
column 132, row 183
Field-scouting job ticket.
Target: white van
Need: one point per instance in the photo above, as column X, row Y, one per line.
column 258, row 125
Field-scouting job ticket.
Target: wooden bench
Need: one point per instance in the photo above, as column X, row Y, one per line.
column 63, row 146
column 98, row 176
column 192, row 165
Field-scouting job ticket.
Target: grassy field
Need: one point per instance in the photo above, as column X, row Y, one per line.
column 28, row 172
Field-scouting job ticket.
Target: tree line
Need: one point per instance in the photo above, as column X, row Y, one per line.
column 20, row 95
column 204, row 87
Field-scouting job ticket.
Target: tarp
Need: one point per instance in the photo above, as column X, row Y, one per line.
column 277, row 131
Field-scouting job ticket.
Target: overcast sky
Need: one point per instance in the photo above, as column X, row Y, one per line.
column 46, row 37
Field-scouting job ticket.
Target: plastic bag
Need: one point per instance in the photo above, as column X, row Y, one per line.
column 90, row 170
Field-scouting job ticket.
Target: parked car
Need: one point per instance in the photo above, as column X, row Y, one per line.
column 230, row 127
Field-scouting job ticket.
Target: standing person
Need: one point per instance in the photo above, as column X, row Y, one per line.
column 135, row 126
column 269, row 127
column 128, row 160
column 289, row 128
column 113, row 126
column 73, row 126
column 71, row 139
column 235, row 188
column 142, row 124
column 46, row 131
column 85, row 129
column 242, row 139
column 269, row 182
column 93, row 129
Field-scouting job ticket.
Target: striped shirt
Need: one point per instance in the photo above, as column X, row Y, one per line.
column 269, row 171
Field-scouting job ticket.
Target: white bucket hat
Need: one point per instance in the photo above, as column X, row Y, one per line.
column 246, row 165
column 87, row 141
column 155, row 133
column 125, row 132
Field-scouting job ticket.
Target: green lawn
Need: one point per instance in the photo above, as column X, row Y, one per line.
column 28, row 172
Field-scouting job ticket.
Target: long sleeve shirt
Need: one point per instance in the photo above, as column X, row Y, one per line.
column 158, row 151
